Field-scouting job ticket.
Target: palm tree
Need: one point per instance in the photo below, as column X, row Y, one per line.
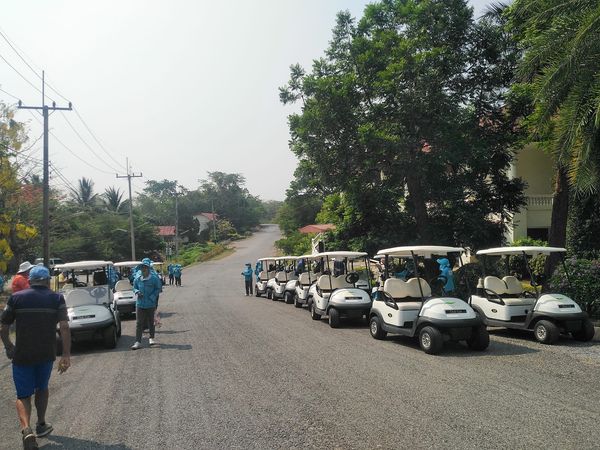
column 84, row 195
column 561, row 66
column 113, row 199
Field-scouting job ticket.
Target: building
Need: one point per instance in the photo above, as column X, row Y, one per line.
column 167, row 234
column 536, row 168
column 205, row 220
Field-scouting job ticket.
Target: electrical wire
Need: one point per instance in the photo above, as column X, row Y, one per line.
column 85, row 142
column 24, row 77
column 78, row 157
column 10, row 95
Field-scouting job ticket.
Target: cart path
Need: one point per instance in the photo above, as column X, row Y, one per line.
column 244, row 372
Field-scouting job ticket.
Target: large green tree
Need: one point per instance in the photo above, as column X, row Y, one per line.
column 404, row 119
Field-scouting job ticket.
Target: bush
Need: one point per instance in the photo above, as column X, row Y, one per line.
column 584, row 286
column 197, row 252
column 295, row 244
column 517, row 264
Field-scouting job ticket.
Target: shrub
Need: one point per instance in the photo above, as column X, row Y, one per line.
column 517, row 264
column 584, row 285
column 197, row 252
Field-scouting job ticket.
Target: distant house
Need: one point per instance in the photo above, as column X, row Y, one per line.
column 536, row 168
column 167, row 233
column 205, row 220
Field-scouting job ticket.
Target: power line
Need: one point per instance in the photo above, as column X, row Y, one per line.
column 96, row 139
column 78, row 157
column 24, row 77
column 85, row 142
column 10, row 95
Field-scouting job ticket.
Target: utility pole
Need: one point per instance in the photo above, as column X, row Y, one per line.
column 46, row 182
column 129, row 176
column 214, row 221
column 176, row 222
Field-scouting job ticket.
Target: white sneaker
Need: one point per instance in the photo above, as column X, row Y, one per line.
column 152, row 341
column 136, row 346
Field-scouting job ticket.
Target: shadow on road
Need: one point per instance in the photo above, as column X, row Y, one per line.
column 159, row 331
column 74, row 443
column 174, row 346
column 527, row 336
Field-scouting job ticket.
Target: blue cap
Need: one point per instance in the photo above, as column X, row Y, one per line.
column 147, row 262
column 39, row 273
column 443, row 262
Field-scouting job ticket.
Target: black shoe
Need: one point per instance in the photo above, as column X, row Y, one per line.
column 29, row 442
column 44, row 429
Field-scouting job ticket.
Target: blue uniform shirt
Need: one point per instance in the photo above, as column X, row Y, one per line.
column 150, row 288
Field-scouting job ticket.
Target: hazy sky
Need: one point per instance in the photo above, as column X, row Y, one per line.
column 180, row 87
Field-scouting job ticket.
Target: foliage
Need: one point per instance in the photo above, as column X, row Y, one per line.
column 226, row 230
column 296, row 212
column 197, row 252
column 405, row 128
column 113, row 199
column 84, row 195
column 294, row 244
column 583, row 238
column 582, row 283
column 270, row 210
column 561, row 65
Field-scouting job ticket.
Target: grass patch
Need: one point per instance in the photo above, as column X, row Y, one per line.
column 193, row 253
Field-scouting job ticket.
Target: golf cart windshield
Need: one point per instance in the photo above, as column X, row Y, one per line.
column 95, row 295
column 87, row 282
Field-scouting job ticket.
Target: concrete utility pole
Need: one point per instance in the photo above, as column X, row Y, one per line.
column 129, row 176
column 176, row 222
column 46, row 182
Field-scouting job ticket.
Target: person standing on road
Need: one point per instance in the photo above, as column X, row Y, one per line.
column 36, row 312
column 177, row 274
column 146, row 287
column 20, row 281
column 247, row 273
column 171, row 276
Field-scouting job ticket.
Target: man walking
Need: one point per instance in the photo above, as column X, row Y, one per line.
column 36, row 312
column 177, row 274
column 146, row 287
column 20, row 281
column 247, row 273
column 171, row 276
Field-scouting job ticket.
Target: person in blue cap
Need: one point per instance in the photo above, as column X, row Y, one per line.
column 35, row 312
column 171, row 276
column 247, row 273
column 147, row 287
column 177, row 274
column 257, row 270
column 446, row 272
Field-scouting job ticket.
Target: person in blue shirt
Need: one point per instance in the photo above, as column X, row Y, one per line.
column 146, row 287
column 446, row 272
column 177, row 274
column 171, row 276
column 257, row 270
column 247, row 273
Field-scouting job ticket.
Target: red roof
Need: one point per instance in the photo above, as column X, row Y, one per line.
column 317, row 228
column 209, row 216
column 167, row 230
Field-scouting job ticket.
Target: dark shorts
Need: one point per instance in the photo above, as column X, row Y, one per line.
column 29, row 379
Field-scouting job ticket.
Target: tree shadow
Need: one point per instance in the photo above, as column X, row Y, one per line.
column 159, row 331
column 527, row 335
column 55, row 441
column 165, row 315
column 174, row 346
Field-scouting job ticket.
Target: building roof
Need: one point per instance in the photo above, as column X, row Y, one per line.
column 166, row 230
column 317, row 228
column 209, row 216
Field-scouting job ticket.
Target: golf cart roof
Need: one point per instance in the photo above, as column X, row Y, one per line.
column 341, row 254
column 418, row 250
column 84, row 265
column 268, row 258
column 128, row 263
column 282, row 258
column 157, row 263
column 528, row 250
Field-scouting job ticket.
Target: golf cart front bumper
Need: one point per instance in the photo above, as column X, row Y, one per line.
column 570, row 322
column 456, row 330
column 88, row 331
column 126, row 307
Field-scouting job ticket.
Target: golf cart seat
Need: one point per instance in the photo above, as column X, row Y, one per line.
column 324, row 283
column 340, row 282
column 400, row 291
column 495, row 285
column 271, row 274
column 122, row 285
column 514, row 291
column 413, row 288
column 304, row 279
column 513, row 285
column 280, row 277
column 263, row 276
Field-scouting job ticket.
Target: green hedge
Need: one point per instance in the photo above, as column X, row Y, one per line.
column 198, row 252
column 584, row 286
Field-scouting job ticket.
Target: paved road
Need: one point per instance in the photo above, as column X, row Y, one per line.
column 239, row 372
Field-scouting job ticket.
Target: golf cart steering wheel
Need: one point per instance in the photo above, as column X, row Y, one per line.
column 351, row 277
column 439, row 281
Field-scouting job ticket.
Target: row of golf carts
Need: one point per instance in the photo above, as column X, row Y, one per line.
column 95, row 303
column 402, row 301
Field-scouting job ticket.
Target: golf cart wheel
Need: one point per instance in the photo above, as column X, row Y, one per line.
column 586, row 333
column 313, row 313
column 375, row 328
column 546, row 332
column 431, row 340
column 109, row 336
column 289, row 298
column 297, row 303
column 257, row 293
column 334, row 318
column 479, row 340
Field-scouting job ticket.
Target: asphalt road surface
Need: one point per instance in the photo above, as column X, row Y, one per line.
column 242, row 372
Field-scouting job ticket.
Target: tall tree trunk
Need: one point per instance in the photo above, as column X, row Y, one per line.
column 560, row 213
column 413, row 182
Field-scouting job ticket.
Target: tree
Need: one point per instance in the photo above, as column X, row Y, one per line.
column 113, row 199
column 405, row 124
column 561, row 41
column 84, row 195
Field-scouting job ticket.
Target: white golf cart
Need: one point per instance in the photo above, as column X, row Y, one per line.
column 260, row 287
column 123, row 295
column 409, row 308
column 306, row 279
column 342, row 291
column 284, row 283
column 90, row 303
column 502, row 302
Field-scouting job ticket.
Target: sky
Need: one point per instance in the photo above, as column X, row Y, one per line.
column 180, row 88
